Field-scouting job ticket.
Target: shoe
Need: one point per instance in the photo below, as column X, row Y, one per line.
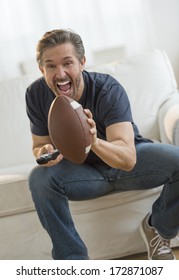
column 158, row 247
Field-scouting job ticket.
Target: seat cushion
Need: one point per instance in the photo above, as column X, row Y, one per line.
column 15, row 196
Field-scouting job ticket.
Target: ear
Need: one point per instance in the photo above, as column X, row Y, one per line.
column 83, row 61
column 41, row 69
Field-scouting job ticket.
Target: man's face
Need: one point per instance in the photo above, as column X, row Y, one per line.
column 63, row 71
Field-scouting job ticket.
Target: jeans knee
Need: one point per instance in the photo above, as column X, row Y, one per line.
column 35, row 180
column 42, row 183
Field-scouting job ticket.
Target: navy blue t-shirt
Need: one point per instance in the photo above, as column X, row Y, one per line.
column 103, row 96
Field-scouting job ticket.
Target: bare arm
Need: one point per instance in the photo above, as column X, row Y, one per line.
column 119, row 149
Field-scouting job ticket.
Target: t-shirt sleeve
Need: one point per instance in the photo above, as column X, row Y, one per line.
column 38, row 125
column 115, row 106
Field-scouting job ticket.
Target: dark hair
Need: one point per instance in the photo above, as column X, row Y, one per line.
column 58, row 37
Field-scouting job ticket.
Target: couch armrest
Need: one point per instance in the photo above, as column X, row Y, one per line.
column 167, row 118
column 175, row 135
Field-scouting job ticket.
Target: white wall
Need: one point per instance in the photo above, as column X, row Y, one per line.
column 165, row 18
column 136, row 24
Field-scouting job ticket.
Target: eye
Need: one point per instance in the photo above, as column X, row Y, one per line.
column 68, row 63
column 50, row 66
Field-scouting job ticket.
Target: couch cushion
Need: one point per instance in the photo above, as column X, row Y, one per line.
column 168, row 116
column 149, row 80
column 111, row 200
column 175, row 136
column 16, row 144
column 15, row 196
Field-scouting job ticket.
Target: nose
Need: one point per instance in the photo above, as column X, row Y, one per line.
column 60, row 72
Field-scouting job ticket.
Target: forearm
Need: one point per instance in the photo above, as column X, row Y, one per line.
column 116, row 154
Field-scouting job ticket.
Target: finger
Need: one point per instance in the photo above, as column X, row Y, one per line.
column 88, row 113
column 91, row 122
column 49, row 148
column 54, row 162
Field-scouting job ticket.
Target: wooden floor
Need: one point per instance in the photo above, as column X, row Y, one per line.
column 143, row 256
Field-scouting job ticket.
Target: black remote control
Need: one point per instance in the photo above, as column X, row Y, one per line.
column 47, row 157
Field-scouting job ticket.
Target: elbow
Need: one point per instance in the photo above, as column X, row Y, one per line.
column 129, row 164
column 131, row 161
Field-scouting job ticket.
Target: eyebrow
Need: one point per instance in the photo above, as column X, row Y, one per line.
column 48, row 60
column 65, row 58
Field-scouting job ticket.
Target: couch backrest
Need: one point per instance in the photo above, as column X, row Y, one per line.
column 149, row 81
column 15, row 140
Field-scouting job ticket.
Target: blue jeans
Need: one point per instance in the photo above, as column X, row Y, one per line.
column 52, row 187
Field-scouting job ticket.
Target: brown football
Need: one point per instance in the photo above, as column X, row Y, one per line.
column 68, row 129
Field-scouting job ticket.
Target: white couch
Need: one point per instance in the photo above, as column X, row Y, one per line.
column 108, row 225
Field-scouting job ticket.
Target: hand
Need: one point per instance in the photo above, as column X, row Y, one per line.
column 46, row 149
column 92, row 124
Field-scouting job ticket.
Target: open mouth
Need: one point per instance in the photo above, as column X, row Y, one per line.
column 64, row 87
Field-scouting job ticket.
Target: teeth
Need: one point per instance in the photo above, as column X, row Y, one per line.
column 63, row 83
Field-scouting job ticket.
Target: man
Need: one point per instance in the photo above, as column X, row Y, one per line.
column 120, row 158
